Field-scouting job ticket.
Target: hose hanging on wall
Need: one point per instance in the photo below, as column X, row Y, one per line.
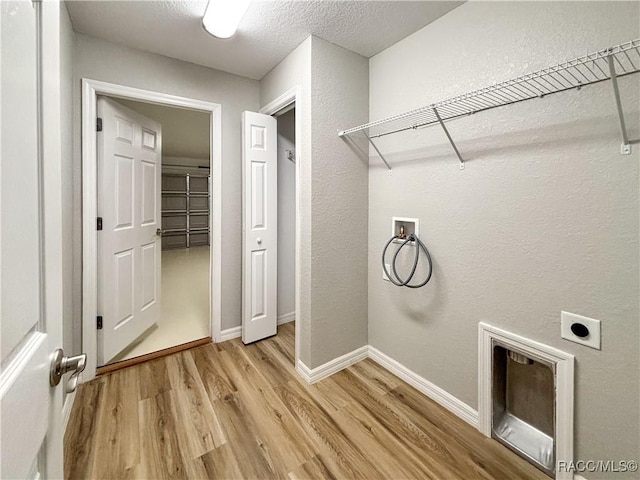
column 395, row 279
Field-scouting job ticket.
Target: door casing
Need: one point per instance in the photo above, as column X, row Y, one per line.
column 282, row 104
column 90, row 91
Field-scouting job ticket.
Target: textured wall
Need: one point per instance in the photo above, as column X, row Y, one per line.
column 286, row 214
column 333, row 196
column 544, row 218
column 101, row 60
column 339, row 84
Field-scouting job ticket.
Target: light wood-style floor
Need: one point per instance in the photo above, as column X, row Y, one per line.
column 233, row 411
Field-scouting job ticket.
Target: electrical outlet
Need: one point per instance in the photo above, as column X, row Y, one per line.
column 384, row 275
column 579, row 329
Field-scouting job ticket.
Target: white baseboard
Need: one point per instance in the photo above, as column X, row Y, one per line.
column 235, row 332
column 313, row 375
column 303, row 371
column 325, row 370
column 286, row 318
column 435, row 393
column 448, row 401
column 230, row 333
column 66, row 409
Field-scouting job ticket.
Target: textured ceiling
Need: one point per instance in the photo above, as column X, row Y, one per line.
column 269, row 31
column 185, row 133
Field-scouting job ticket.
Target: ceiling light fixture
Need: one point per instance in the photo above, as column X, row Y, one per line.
column 222, row 17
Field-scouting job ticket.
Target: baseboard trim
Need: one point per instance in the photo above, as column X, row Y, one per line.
column 303, row 371
column 313, row 375
column 424, row 386
column 230, row 333
column 435, row 393
column 235, row 332
column 286, row 318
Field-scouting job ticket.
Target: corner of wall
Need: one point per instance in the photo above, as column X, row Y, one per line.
column 339, row 204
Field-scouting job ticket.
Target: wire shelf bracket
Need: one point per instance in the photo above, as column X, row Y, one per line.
column 377, row 151
column 435, row 111
column 625, row 147
column 609, row 64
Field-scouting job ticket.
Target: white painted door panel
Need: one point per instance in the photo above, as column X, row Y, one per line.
column 129, row 177
column 19, row 173
column 259, row 226
column 30, row 236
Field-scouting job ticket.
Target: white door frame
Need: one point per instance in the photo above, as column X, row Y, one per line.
column 288, row 98
column 90, row 90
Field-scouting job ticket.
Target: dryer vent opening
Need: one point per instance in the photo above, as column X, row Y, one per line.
column 524, row 406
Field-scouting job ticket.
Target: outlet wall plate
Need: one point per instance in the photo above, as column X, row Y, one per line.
column 592, row 339
column 384, row 275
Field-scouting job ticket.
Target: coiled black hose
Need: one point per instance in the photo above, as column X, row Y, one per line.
column 395, row 279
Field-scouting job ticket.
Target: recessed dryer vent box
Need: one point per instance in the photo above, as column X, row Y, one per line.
column 404, row 224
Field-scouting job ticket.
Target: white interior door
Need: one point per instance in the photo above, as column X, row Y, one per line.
column 259, row 226
column 129, row 244
column 30, row 240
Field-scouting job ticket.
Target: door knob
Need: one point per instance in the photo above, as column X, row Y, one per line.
column 259, row 240
column 159, row 232
column 61, row 365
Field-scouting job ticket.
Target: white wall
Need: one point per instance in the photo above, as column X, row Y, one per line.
column 101, row 60
column 544, row 218
column 333, row 196
column 286, row 214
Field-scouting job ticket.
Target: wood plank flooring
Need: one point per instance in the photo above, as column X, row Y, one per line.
column 233, row 411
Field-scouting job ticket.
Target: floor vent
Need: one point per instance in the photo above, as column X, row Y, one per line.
column 524, row 402
column 526, row 398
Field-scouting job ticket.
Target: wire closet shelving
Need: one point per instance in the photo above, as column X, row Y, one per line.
column 608, row 64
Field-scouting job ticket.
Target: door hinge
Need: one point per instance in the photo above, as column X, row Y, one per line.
column 99, row 223
column 99, row 323
column 99, row 124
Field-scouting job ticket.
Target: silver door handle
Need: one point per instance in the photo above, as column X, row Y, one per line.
column 159, row 232
column 259, row 240
column 61, row 365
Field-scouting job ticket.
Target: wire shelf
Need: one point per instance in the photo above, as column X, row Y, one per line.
column 607, row 64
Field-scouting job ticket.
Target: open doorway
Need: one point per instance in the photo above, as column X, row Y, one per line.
column 271, row 287
column 285, row 110
column 286, row 139
column 184, row 227
column 93, row 320
column 270, row 235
